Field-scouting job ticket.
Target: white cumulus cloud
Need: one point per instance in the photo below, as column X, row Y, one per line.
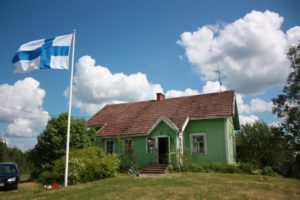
column 248, row 119
column 293, row 36
column 21, row 108
column 259, row 105
column 179, row 93
column 96, row 86
column 256, row 105
column 213, row 86
column 250, row 51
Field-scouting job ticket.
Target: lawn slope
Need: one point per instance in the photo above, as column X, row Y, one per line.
column 171, row 186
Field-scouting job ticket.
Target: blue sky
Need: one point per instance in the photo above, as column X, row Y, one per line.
column 129, row 50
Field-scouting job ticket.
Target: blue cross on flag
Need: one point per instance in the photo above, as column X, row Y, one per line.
column 50, row 53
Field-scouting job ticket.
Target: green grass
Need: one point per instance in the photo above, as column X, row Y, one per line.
column 171, row 186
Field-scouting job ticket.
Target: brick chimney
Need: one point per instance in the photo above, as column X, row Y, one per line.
column 160, row 96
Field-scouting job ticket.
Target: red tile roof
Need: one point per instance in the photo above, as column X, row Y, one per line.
column 137, row 118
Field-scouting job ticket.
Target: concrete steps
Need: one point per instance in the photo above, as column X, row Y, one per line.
column 155, row 169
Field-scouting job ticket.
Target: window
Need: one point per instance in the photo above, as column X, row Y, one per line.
column 150, row 145
column 128, row 146
column 198, row 143
column 109, row 146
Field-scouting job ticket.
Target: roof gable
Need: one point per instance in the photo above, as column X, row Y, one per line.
column 141, row 117
column 164, row 119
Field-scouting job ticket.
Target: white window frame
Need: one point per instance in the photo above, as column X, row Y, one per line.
column 204, row 142
column 106, row 146
column 147, row 146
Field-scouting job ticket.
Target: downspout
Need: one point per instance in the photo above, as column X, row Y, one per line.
column 180, row 150
column 181, row 143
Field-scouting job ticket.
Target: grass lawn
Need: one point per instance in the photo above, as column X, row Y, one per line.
column 170, row 186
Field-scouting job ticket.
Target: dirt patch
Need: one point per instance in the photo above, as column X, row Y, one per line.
column 29, row 186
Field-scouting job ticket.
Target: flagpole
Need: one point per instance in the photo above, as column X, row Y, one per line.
column 69, row 112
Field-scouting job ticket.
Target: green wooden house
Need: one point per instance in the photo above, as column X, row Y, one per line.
column 201, row 127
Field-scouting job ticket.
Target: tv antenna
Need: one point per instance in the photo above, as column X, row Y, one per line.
column 220, row 77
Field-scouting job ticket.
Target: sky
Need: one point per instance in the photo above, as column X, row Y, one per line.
column 127, row 51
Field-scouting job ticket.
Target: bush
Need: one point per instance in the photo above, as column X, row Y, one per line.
column 85, row 165
column 295, row 169
column 268, row 171
column 45, row 177
column 246, row 168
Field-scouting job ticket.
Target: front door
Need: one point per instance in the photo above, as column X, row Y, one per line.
column 163, row 150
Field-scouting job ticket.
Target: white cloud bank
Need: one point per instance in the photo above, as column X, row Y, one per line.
column 248, row 119
column 179, row 93
column 95, row 86
column 21, row 108
column 250, row 51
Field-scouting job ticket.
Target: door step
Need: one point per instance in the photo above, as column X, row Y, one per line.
column 155, row 169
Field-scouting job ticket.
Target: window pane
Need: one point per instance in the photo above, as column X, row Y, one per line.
column 200, row 138
column 198, row 144
column 195, row 148
column 109, row 146
column 150, row 145
column 201, row 148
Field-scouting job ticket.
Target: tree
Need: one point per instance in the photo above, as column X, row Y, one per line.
column 52, row 141
column 264, row 146
column 14, row 154
column 287, row 104
column 3, row 150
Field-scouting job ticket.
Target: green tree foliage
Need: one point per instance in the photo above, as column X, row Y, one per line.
column 3, row 150
column 87, row 164
column 52, row 141
column 264, row 146
column 14, row 155
column 287, row 104
column 257, row 144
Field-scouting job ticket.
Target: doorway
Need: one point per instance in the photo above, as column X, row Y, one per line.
column 163, row 150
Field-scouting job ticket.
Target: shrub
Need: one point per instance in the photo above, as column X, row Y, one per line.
column 268, row 171
column 246, row 168
column 45, row 177
column 85, row 165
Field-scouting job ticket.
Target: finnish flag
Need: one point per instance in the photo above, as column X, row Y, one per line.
column 50, row 53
